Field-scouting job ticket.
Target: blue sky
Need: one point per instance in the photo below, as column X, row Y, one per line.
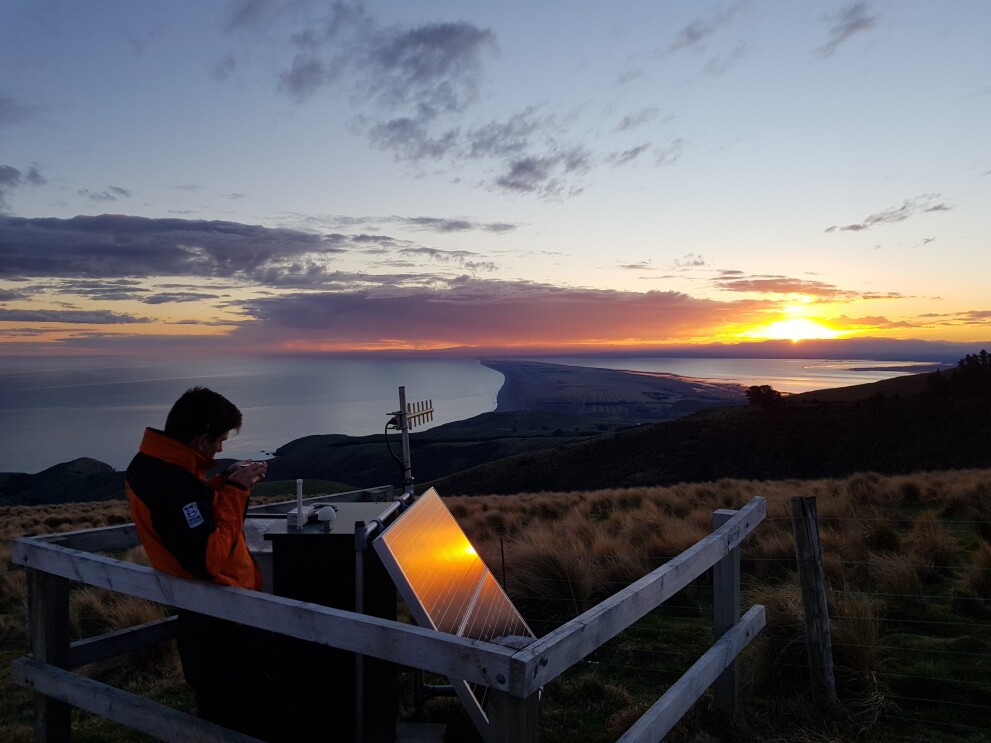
column 308, row 175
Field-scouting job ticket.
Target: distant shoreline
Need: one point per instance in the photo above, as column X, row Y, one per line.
column 607, row 394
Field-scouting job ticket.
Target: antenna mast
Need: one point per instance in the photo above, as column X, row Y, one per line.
column 404, row 419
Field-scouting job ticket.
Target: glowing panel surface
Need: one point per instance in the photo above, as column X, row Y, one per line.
column 444, row 582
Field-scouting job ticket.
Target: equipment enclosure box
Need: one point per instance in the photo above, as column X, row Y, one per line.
column 322, row 567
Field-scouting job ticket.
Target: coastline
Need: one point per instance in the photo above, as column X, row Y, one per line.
column 607, row 394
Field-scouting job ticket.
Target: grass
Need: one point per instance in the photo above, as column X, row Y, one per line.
column 907, row 558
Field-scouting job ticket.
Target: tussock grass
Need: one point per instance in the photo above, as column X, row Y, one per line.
column 908, row 562
column 979, row 579
column 904, row 557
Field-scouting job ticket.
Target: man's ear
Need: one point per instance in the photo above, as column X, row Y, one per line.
column 200, row 443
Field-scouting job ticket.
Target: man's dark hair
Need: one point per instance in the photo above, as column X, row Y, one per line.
column 200, row 411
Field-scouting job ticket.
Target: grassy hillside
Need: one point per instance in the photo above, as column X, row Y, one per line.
column 907, row 558
column 897, row 426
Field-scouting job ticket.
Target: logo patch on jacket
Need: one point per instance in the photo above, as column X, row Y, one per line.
column 193, row 516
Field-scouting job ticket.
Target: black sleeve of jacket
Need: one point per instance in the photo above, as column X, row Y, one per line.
column 181, row 507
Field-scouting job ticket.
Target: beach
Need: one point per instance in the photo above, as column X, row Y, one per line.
column 607, row 394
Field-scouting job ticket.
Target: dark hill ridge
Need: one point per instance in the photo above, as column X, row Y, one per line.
column 78, row 480
column 365, row 461
column 896, row 426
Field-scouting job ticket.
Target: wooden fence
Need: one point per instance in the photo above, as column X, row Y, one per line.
column 513, row 676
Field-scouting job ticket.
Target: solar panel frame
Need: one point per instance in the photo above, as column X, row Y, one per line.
column 446, row 585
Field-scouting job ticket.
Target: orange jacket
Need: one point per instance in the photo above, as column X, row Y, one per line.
column 189, row 527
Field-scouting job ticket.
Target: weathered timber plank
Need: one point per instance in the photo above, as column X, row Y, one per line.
column 473, row 660
column 511, row 719
column 549, row 656
column 122, row 641
column 105, row 539
column 666, row 711
column 726, row 613
column 48, row 630
column 136, row 712
column 818, row 640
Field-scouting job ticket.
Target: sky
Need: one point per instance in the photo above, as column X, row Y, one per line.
column 282, row 176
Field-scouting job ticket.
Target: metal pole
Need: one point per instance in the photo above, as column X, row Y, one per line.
column 360, row 542
column 404, row 430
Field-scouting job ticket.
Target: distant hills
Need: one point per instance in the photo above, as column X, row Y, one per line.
column 79, row 480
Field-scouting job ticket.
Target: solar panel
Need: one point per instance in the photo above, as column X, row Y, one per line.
column 446, row 584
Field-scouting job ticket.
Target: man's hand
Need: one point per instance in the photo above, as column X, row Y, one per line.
column 247, row 473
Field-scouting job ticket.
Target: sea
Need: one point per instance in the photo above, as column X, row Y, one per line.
column 53, row 410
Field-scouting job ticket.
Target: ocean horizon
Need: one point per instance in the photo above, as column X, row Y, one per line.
column 59, row 409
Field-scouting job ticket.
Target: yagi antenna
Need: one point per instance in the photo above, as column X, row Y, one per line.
column 409, row 415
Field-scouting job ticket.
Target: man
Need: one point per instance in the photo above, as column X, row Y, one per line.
column 192, row 527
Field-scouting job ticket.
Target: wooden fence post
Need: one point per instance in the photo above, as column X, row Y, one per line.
column 726, row 613
column 511, row 719
column 813, row 582
column 48, row 627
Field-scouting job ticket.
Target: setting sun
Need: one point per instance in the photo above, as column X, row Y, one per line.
column 795, row 329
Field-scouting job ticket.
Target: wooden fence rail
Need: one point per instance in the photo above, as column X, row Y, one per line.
column 515, row 676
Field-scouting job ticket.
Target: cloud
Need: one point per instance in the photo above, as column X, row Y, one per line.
column 111, row 193
column 689, row 260
column 720, row 64
column 670, row 153
column 922, row 204
column 11, row 295
column 694, row 34
column 168, row 297
column 84, row 317
column 735, row 281
column 427, row 70
column 878, row 322
column 435, row 224
column 508, row 138
column 975, row 317
column 545, row 176
column 882, row 295
column 851, row 20
column 637, row 119
column 11, row 178
column 468, row 311
column 102, row 290
column 627, row 156
column 412, row 88
column 465, row 258
column 782, row 285
column 114, row 246
column 441, row 225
